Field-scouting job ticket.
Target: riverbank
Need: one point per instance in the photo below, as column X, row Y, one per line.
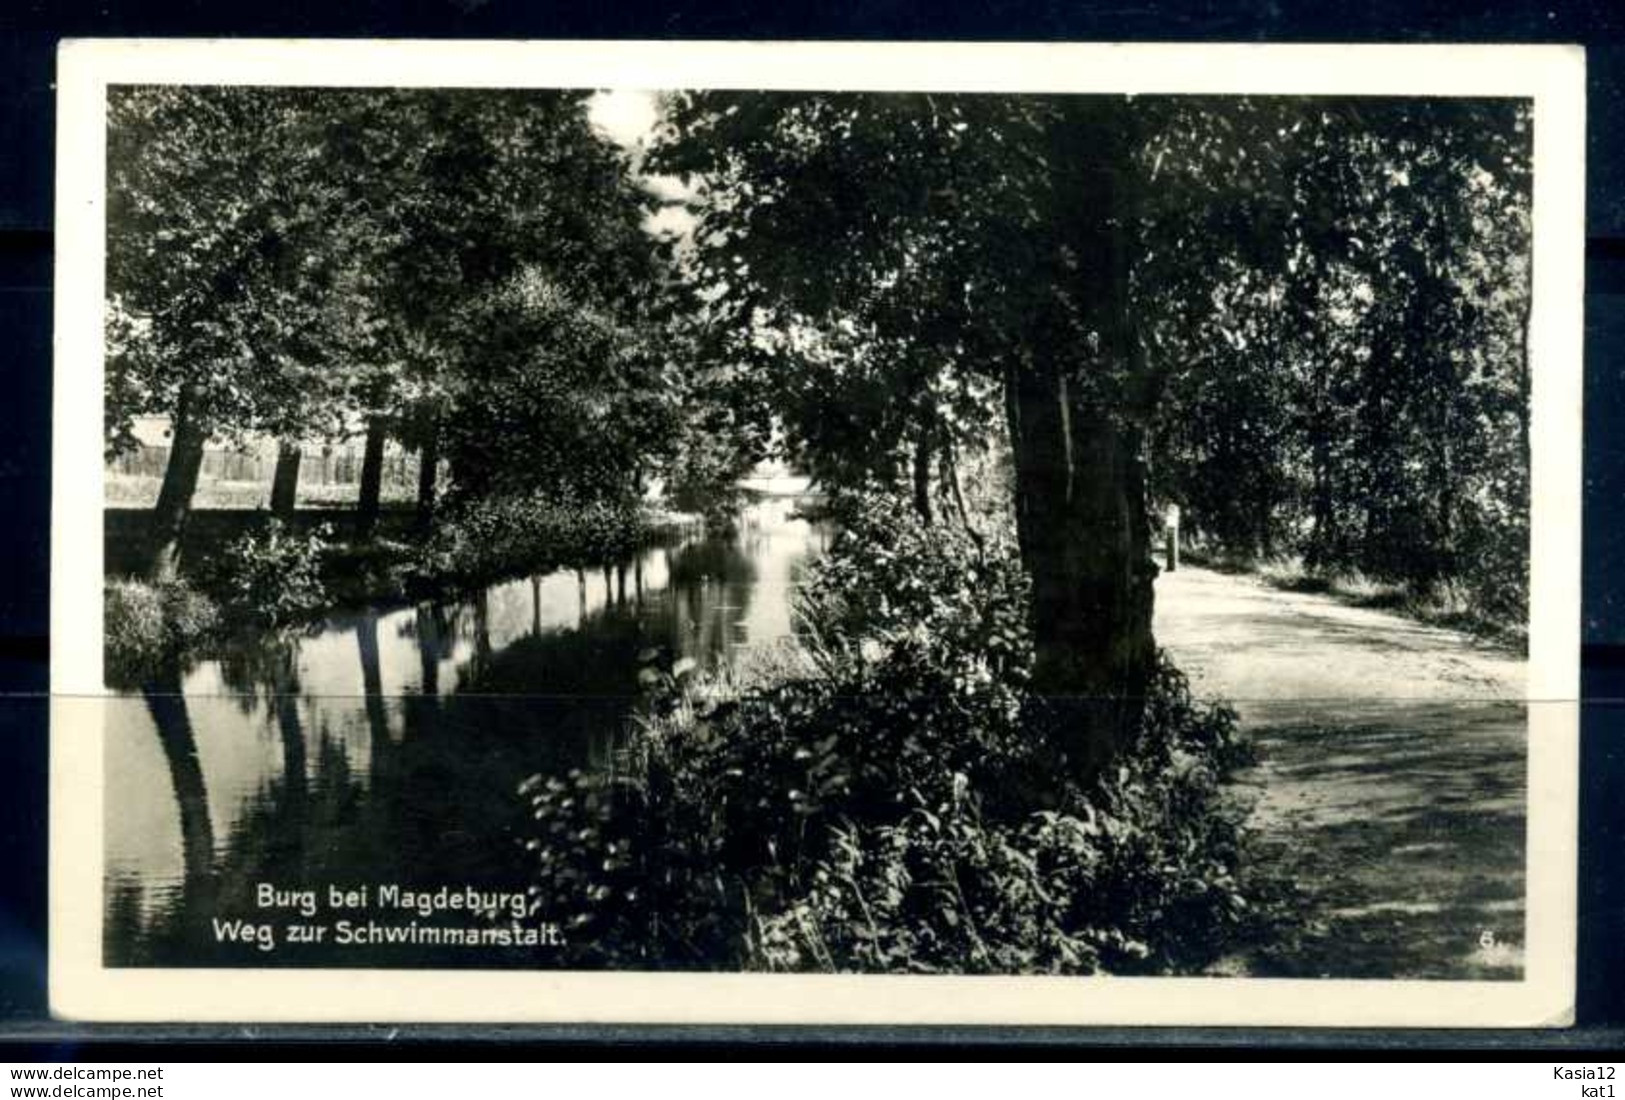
column 628, row 736
column 387, row 743
column 252, row 572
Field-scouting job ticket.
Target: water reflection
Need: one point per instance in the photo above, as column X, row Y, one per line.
column 386, row 746
column 169, row 715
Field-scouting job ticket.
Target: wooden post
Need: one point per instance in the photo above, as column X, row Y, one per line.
column 1171, row 535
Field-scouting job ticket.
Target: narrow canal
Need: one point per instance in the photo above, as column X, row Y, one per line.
column 386, row 745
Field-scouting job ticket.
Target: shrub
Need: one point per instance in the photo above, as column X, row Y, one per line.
column 1496, row 573
column 146, row 625
column 376, row 569
column 270, row 577
column 487, row 538
column 1137, row 875
column 887, row 807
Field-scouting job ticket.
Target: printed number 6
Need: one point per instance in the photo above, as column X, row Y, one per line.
column 1486, row 938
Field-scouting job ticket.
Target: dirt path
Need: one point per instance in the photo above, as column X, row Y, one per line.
column 1389, row 787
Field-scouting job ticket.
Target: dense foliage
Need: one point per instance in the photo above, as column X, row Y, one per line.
column 1351, row 386
column 271, row 577
column 559, row 395
column 146, row 625
column 239, row 296
column 998, row 331
column 883, row 805
column 465, row 271
column 262, row 580
column 503, row 536
column 1300, row 319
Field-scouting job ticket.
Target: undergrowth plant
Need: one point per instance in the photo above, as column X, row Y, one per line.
column 884, row 804
column 270, row 577
column 146, row 625
column 488, row 538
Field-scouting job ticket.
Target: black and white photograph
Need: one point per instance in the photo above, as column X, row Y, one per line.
column 1001, row 521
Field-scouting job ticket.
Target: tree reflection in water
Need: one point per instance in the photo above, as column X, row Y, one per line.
column 334, row 779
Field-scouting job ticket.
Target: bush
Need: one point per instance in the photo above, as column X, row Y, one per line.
column 270, row 577
column 488, row 538
column 1496, row 573
column 376, row 569
column 1137, row 875
column 889, row 808
column 146, row 625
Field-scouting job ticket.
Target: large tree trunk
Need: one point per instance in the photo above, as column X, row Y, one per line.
column 1086, row 541
column 174, row 505
column 285, row 482
column 372, row 477
column 428, row 471
column 1076, row 403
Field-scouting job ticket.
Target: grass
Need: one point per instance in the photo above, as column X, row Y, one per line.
column 138, row 491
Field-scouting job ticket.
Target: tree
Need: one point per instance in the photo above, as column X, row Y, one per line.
column 833, row 305
column 1105, row 261
column 300, row 261
column 1356, row 396
column 493, row 202
column 560, row 392
column 285, row 479
column 236, row 293
column 935, row 245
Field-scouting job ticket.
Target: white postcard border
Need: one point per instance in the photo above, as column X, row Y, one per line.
column 82, row 988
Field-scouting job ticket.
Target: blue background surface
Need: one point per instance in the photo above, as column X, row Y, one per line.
column 29, row 31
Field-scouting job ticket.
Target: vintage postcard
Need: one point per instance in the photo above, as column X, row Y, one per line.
column 769, row 532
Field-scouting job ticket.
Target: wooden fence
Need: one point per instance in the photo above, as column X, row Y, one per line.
column 318, row 466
